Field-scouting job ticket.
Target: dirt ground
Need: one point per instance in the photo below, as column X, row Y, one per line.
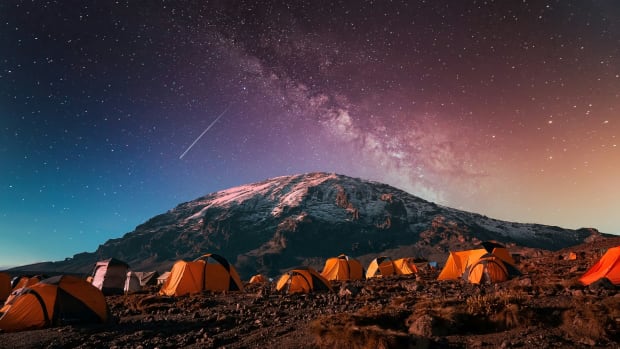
column 546, row 307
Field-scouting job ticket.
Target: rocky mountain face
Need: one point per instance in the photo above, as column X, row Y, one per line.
column 279, row 223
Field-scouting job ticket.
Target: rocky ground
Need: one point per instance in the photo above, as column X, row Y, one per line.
column 546, row 307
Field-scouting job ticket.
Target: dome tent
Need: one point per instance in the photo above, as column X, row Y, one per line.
column 489, row 268
column 381, row 266
column 302, row 280
column 607, row 267
column 342, row 268
column 109, row 276
column 209, row 272
column 59, row 300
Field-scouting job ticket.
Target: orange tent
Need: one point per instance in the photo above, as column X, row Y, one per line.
column 258, row 278
column 343, row 268
column 302, row 280
column 498, row 250
column 24, row 281
column 488, row 268
column 381, row 266
column 56, row 301
column 209, row 272
column 405, row 266
column 607, row 267
column 457, row 262
column 5, row 286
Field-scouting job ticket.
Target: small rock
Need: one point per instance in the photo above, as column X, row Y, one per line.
column 588, row 341
column 348, row 290
column 602, row 284
column 475, row 343
column 577, row 293
column 422, row 326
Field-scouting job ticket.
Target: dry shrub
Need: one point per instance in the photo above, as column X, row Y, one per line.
column 153, row 303
column 594, row 321
column 492, row 303
column 430, row 319
column 582, row 325
column 479, row 305
column 572, row 284
column 509, row 317
column 360, row 331
column 400, row 301
column 500, row 310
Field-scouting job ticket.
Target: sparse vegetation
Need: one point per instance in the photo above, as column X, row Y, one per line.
column 546, row 307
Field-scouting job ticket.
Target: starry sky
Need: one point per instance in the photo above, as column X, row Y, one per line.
column 112, row 112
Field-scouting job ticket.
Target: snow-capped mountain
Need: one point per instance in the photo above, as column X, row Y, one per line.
column 287, row 221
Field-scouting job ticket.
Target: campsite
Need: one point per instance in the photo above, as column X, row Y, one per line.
column 545, row 306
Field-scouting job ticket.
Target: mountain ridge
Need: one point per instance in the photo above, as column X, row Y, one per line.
column 281, row 222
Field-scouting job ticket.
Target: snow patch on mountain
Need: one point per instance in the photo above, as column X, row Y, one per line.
column 295, row 195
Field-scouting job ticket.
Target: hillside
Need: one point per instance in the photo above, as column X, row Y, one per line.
column 546, row 307
column 282, row 222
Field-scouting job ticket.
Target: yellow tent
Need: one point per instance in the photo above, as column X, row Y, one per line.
column 607, row 267
column 60, row 300
column 302, row 280
column 5, row 286
column 209, row 272
column 405, row 266
column 380, row 266
column 342, row 268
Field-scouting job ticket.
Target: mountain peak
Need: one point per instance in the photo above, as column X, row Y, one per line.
column 282, row 222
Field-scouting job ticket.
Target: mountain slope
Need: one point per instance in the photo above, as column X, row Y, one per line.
column 282, row 222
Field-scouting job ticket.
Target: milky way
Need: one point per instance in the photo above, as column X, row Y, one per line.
column 508, row 109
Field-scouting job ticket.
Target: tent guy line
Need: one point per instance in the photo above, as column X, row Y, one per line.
column 205, row 131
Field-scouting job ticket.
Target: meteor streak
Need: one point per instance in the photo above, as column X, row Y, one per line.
column 205, row 131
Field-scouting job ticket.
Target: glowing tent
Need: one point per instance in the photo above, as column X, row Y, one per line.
column 25, row 281
column 607, row 267
column 60, row 300
column 381, row 266
column 498, row 250
column 258, row 278
column 302, row 280
column 209, row 272
column 342, row 268
column 405, row 266
column 22, row 282
column 457, row 262
column 488, row 268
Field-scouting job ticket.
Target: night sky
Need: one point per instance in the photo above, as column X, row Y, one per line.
column 505, row 108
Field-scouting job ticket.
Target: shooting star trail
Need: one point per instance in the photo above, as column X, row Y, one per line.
column 205, row 131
